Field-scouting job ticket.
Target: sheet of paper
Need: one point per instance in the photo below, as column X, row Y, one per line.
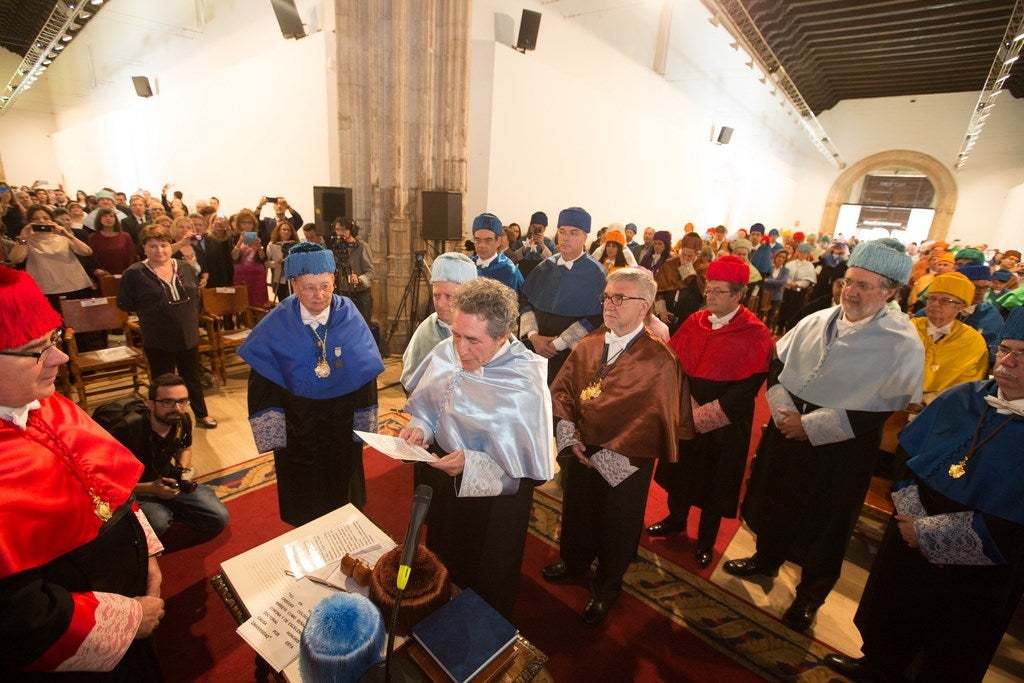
column 396, row 448
column 332, row 574
column 275, row 631
column 114, row 353
column 317, row 550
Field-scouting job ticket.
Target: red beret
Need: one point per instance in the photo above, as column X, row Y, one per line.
column 729, row 268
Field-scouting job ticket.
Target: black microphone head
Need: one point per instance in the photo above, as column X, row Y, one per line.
column 423, row 494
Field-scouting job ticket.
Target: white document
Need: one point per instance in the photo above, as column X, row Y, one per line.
column 113, row 353
column 275, row 631
column 318, row 550
column 396, row 448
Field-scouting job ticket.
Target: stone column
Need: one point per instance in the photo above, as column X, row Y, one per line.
column 403, row 88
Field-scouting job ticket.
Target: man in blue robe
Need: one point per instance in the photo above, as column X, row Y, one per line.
column 313, row 380
column 563, row 293
column 487, row 232
column 950, row 572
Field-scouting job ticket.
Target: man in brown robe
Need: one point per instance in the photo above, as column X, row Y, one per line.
column 620, row 403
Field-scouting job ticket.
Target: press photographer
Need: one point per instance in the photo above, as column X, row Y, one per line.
column 355, row 265
column 159, row 433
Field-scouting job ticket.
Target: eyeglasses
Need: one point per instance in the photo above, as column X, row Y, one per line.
column 718, row 292
column 1003, row 351
column 941, row 300
column 857, row 284
column 55, row 338
column 618, row 299
column 171, row 402
column 314, row 289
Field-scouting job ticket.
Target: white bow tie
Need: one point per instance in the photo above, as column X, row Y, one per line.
column 1004, row 405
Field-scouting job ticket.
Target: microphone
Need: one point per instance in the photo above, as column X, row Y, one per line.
column 420, row 505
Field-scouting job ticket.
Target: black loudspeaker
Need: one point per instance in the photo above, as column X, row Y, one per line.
column 442, row 216
column 529, row 25
column 288, row 18
column 330, row 203
column 724, row 135
column 142, row 87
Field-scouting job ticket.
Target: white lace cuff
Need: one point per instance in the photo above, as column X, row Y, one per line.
column 613, row 467
column 565, row 435
column 952, row 539
column 778, row 398
column 528, row 325
column 117, row 620
column 483, row 477
column 268, row 429
column 825, row 426
column 153, row 544
column 709, row 417
column 907, row 501
column 365, row 420
column 571, row 336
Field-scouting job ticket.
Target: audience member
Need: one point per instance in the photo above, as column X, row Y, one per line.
column 487, row 232
column 49, row 251
column 660, row 251
column 355, row 265
column 249, row 258
column 112, row 249
column 534, row 243
column 104, row 200
column 281, row 241
column 681, row 283
column 282, row 212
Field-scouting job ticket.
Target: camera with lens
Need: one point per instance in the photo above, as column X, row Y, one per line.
column 419, row 257
column 182, row 477
column 539, row 230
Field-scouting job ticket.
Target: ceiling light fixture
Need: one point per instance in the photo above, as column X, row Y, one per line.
column 1007, row 52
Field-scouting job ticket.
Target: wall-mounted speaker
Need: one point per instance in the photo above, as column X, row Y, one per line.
column 442, row 215
column 529, row 25
column 724, row 136
column 142, row 86
column 330, row 203
column 288, row 19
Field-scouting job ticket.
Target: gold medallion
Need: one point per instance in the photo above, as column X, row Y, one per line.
column 593, row 390
column 102, row 508
column 956, row 470
column 323, row 370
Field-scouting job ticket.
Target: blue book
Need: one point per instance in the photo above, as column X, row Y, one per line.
column 465, row 635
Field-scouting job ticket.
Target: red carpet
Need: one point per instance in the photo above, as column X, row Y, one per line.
column 197, row 640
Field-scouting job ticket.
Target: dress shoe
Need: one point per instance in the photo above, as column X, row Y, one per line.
column 800, row 615
column 856, row 668
column 559, row 572
column 596, row 611
column 207, row 423
column 750, row 566
column 665, row 527
column 703, row 557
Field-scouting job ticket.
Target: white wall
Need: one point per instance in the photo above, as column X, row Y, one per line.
column 579, row 122
column 238, row 112
column 26, row 148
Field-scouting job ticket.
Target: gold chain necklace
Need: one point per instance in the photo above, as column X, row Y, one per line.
column 322, row 370
column 958, row 469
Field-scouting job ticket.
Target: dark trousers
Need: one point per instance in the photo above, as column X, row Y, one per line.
column 603, row 522
column 184, row 363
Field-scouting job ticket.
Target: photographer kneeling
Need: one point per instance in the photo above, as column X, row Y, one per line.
column 161, row 438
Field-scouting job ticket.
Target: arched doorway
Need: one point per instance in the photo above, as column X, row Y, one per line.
column 940, row 177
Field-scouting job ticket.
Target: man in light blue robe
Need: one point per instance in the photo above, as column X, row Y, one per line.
column 481, row 398
column 447, row 272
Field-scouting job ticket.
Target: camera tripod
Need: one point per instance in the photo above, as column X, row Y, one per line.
column 410, row 297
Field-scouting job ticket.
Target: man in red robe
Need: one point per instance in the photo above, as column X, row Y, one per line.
column 725, row 351
column 79, row 582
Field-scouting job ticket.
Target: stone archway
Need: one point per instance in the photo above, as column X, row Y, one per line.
column 938, row 174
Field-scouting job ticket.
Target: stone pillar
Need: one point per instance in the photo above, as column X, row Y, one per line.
column 403, row 116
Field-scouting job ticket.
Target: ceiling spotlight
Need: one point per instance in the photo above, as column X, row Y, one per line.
column 58, row 48
column 97, row 2
column 1012, row 59
column 66, row 38
column 84, row 15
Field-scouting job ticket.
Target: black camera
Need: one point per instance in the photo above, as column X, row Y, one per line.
column 419, row 257
column 537, row 231
column 182, row 479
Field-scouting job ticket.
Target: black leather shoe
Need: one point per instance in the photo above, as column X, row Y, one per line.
column 559, row 572
column 800, row 615
column 703, row 557
column 665, row 527
column 596, row 611
column 852, row 667
column 749, row 566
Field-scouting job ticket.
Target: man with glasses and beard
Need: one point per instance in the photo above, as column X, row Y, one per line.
column 162, row 441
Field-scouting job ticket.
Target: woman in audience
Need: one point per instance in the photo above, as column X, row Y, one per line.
column 164, row 293
column 218, row 261
column 249, row 259
column 681, row 283
column 91, row 204
column 182, row 248
column 281, row 241
column 81, row 196
column 614, row 245
column 775, row 284
column 659, row 253
column 50, row 253
column 112, row 249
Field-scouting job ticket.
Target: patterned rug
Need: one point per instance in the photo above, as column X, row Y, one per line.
column 752, row 638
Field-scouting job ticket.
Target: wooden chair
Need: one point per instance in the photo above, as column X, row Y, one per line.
column 878, row 507
column 219, row 302
column 109, row 285
column 103, row 367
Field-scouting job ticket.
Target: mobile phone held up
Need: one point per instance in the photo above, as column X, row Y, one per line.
column 249, row 237
column 271, row 200
column 41, row 227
